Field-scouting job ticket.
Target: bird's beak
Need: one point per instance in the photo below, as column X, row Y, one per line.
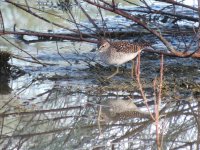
column 95, row 50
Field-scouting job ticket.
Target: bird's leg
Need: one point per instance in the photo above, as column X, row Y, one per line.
column 133, row 68
column 116, row 72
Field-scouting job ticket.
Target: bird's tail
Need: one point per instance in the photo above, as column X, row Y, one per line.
column 147, row 48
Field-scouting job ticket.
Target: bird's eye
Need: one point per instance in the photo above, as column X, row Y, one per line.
column 102, row 46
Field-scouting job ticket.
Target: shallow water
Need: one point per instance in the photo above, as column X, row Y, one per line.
column 56, row 106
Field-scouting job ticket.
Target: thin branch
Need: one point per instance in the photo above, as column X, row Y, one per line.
column 178, row 3
column 50, row 35
column 88, row 16
column 39, row 62
column 37, row 16
column 2, row 22
column 140, row 87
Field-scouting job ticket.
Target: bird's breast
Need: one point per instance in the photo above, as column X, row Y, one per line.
column 116, row 58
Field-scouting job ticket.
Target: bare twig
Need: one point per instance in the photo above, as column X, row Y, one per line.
column 1, row 21
column 140, row 87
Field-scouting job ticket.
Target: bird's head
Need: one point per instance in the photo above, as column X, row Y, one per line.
column 103, row 45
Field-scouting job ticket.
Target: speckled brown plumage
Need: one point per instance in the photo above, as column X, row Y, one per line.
column 127, row 47
column 123, row 46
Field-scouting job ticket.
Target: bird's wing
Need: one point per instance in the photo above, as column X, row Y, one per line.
column 127, row 47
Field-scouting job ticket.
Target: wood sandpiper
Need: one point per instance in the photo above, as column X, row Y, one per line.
column 117, row 53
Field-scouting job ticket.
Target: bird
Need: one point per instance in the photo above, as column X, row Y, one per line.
column 119, row 109
column 119, row 52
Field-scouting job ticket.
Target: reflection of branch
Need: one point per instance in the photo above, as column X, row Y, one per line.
column 140, row 127
column 158, row 95
column 133, row 132
column 99, row 119
column 35, row 134
column 40, row 111
column 12, row 98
